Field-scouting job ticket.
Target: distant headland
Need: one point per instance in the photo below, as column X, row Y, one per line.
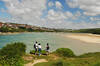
column 15, row 27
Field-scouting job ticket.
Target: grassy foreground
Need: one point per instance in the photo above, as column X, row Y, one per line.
column 14, row 55
column 66, row 57
column 89, row 59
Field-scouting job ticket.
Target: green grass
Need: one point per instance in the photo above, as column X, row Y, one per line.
column 44, row 64
column 89, row 59
column 96, row 64
column 96, row 54
column 76, row 62
column 61, row 57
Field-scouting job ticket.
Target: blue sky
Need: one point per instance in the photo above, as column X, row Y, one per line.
column 52, row 13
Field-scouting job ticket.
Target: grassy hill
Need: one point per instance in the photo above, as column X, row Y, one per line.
column 93, row 31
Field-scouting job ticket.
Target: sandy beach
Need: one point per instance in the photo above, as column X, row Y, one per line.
column 8, row 33
column 90, row 38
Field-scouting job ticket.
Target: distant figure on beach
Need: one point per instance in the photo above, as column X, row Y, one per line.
column 47, row 48
column 39, row 49
column 36, row 47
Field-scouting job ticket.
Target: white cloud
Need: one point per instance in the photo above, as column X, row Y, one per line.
column 50, row 4
column 58, row 20
column 30, row 11
column 91, row 7
column 27, row 10
column 95, row 18
column 72, row 3
column 59, row 15
column 58, row 5
column 68, row 14
column 2, row 10
column 53, row 15
column 76, row 15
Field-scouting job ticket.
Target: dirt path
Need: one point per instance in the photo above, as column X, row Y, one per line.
column 35, row 62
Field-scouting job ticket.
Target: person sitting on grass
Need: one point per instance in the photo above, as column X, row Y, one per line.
column 36, row 47
column 47, row 48
column 39, row 49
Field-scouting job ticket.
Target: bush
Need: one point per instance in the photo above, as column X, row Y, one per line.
column 14, row 49
column 65, row 52
column 43, row 52
column 10, row 55
column 32, row 52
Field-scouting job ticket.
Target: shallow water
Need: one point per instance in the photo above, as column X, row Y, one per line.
column 54, row 39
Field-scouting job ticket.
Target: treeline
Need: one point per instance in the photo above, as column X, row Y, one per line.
column 62, row 30
column 93, row 31
column 22, row 29
column 8, row 29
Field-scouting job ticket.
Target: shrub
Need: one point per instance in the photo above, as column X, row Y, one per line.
column 14, row 49
column 10, row 55
column 65, row 52
column 43, row 52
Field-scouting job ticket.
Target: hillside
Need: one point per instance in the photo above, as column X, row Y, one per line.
column 93, row 31
column 14, row 27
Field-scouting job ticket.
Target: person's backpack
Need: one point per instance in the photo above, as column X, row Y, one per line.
column 34, row 45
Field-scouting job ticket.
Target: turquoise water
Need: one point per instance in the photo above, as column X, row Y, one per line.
column 54, row 39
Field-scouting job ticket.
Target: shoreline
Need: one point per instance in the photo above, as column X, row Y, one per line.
column 89, row 38
column 8, row 33
column 11, row 33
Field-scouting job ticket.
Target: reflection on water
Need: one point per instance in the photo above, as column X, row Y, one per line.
column 54, row 39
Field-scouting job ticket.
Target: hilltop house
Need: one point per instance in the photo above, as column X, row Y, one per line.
column 1, row 24
column 23, row 26
column 28, row 26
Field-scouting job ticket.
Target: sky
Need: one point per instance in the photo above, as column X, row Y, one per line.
column 69, row 14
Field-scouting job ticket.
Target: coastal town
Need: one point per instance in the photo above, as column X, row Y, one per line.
column 23, row 26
